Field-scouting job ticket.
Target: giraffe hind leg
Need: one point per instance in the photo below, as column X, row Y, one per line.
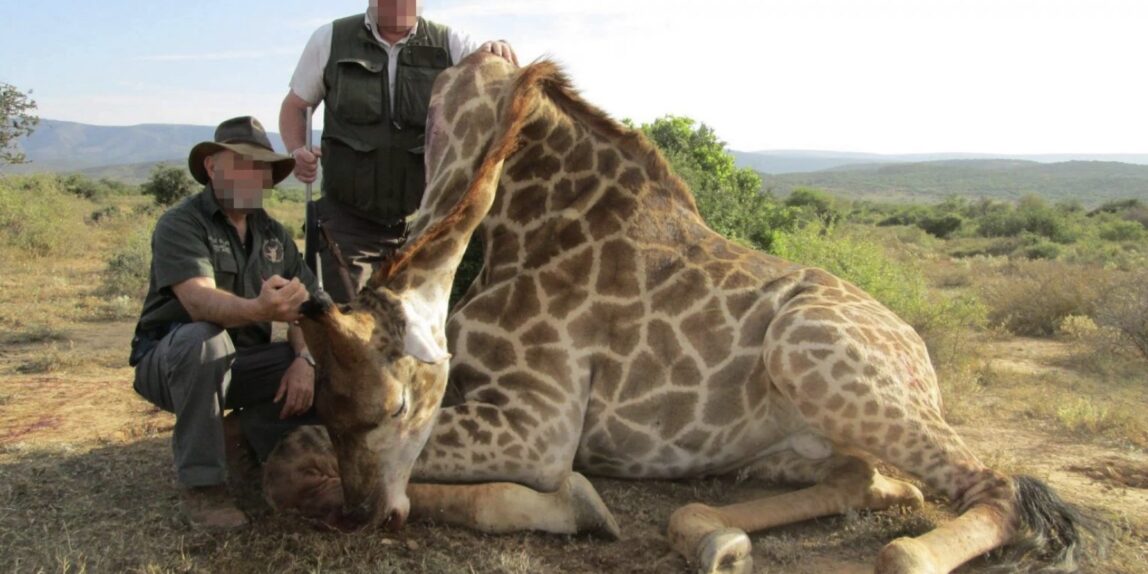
column 714, row 538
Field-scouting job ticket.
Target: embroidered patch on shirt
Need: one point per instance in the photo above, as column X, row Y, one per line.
column 219, row 244
column 273, row 250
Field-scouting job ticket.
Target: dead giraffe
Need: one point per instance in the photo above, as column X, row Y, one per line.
column 612, row 332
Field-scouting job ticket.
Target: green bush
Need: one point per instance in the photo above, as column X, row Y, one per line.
column 127, row 269
column 91, row 189
column 814, row 203
column 1122, row 230
column 169, row 184
column 1040, row 249
column 104, row 214
column 1031, row 215
column 940, row 226
column 36, row 217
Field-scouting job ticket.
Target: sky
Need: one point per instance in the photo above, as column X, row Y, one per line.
column 879, row 76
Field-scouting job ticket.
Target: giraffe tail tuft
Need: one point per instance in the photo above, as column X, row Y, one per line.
column 1053, row 536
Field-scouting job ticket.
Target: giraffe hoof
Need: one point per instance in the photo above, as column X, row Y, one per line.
column 725, row 551
column 590, row 512
column 906, row 556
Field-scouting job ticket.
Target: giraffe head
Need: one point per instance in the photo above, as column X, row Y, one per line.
column 383, row 374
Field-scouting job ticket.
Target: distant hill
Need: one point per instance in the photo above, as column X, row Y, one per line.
column 70, row 146
column 129, row 153
column 796, row 161
column 1090, row 182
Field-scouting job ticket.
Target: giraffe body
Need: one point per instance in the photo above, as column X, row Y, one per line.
column 612, row 332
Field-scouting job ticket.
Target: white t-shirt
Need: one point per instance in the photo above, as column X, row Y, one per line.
column 307, row 81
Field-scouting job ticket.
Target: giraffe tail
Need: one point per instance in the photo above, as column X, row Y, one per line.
column 1053, row 536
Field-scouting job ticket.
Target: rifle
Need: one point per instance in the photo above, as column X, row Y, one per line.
column 311, row 222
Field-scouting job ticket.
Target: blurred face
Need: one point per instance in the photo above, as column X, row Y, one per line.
column 395, row 16
column 238, row 181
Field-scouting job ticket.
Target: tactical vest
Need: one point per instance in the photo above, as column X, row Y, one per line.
column 373, row 158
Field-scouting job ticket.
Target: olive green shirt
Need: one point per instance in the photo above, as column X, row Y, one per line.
column 195, row 239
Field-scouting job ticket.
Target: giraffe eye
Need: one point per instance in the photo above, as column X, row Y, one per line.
column 402, row 410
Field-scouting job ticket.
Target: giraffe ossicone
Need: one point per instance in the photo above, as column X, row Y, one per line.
column 612, row 333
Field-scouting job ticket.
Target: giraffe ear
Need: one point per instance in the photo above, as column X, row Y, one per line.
column 419, row 341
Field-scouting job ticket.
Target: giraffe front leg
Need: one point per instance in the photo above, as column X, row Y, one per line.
column 714, row 538
column 518, row 462
column 501, row 507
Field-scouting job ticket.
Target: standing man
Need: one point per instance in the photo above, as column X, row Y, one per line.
column 222, row 270
column 374, row 72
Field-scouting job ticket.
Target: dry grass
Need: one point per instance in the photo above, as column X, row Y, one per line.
column 86, row 483
column 1059, row 384
column 1032, row 298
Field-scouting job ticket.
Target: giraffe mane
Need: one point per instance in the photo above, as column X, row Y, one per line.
column 632, row 142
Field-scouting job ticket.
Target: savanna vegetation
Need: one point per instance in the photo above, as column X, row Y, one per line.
column 1035, row 311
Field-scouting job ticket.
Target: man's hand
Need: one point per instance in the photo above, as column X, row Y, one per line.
column 297, row 389
column 500, row 48
column 280, row 299
column 306, row 163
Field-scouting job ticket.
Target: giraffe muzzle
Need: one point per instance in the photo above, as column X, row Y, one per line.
column 388, row 514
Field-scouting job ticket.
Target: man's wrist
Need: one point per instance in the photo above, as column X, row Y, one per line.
column 306, row 356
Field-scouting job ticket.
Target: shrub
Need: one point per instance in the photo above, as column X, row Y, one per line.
column 1124, row 308
column 1034, row 297
column 1031, row 215
column 815, row 203
column 168, row 184
column 1122, row 230
column 86, row 188
column 127, row 270
column 1041, row 249
column 1082, row 415
column 36, row 218
column 940, row 226
column 103, row 214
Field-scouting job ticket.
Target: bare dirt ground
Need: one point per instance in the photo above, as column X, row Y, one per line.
column 86, row 486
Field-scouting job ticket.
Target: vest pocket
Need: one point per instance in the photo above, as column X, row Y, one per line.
column 359, row 91
column 413, row 87
column 349, row 173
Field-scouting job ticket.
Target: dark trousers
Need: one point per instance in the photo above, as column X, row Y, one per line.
column 196, row 372
column 364, row 243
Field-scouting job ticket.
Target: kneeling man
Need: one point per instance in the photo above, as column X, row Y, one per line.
column 222, row 271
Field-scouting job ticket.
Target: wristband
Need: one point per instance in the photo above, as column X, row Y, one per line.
column 306, row 356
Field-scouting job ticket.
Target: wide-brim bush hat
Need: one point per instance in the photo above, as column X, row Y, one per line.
column 245, row 136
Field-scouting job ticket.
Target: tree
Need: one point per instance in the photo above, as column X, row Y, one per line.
column 168, row 184
column 16, row 121
column 816, row 203
column 729, row 198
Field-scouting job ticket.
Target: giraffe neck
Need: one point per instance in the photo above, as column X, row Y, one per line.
column 579, row 177
column 463, row 182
